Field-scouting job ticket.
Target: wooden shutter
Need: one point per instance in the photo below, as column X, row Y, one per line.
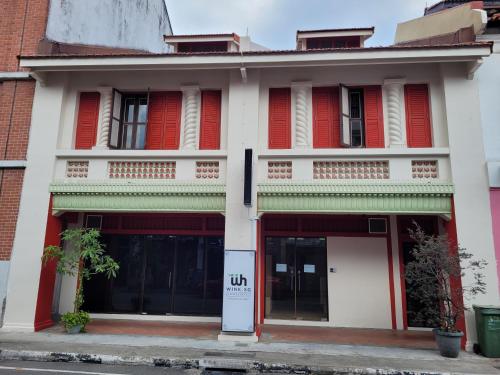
column 210, row 120
column 279, row 135
column 164, row 120
column 88, row 117
column 374, row 117
column 418, row 123
column 326, row 118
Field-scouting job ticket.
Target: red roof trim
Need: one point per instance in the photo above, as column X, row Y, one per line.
column 235, row 36
column 372, row 29
column 274, row 52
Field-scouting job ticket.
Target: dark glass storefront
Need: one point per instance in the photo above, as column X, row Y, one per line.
column 160, row 274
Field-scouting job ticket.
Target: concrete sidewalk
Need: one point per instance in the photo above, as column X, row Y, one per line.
column 199, row 353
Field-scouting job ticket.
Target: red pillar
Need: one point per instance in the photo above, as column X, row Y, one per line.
column 456, row 282
column 43, row 313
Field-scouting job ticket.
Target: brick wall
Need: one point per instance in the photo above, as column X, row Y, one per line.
column 22, row 26
column 11, row 181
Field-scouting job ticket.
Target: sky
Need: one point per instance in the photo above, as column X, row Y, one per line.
column 273, row 23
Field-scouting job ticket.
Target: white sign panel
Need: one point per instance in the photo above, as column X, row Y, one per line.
column 239, row 291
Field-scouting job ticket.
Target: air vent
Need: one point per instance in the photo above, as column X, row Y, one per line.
column 93, row 222
column 377, row 225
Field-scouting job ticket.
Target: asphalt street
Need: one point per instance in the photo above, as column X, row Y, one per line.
column 47, row 368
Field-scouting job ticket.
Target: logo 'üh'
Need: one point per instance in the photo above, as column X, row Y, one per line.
column 238, row 282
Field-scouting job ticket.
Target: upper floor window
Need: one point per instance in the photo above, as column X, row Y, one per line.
column 133, row 122
column 356, row 122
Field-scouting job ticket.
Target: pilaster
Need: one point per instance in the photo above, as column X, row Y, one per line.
column 393, row 98
column 302, row 112
column 104, row 118
column 190, row 117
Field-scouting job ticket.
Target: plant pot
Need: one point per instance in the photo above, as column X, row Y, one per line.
column 74, row 330
column 448, row 343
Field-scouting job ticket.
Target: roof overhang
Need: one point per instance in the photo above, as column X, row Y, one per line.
column 364, row 33
column 333, row 57
column 174, row 39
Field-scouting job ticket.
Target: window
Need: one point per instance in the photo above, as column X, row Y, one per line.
column 357, row 130
column 361, row 117
column 134, row 120
column 129, row 121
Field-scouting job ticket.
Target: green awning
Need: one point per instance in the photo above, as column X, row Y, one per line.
column 137, row 196
column 356, row 197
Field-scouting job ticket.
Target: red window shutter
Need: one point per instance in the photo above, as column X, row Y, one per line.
column 164, row 120
column 280, row 119
column 88, row 116
column 374, row 117
column 326, row 118
column 418, row 123
column 210, row 120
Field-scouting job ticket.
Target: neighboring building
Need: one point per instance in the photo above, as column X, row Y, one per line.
column 24, row 30
column 349, row 145
column 470, row 21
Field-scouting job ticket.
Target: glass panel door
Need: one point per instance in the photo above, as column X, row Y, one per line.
column 280, row 278
column 296, row 278
column 158, row 278
column 311, row 296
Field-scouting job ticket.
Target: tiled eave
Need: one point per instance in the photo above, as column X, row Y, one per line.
column 356, row 197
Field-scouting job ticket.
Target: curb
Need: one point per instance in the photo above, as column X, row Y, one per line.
column 201, row 363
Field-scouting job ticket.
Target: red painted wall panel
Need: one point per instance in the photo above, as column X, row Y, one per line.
column 279, row 118
column 210, row 120
column 88, row 116
column 43, row 313
column 418, row 123
column 326, row 120
column 164, row 120
column 374, row 117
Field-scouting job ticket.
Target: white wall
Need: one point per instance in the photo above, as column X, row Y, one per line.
column 358, row 291
column 468, row 168
column 488, row 77
column 111, row 23
column 4, row 275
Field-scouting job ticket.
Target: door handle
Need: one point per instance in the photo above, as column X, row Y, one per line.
column 169, row 279
column 299, row 279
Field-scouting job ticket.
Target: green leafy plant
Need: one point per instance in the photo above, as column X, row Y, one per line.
column 74, row 319
column 84, row 258
column 434, row 273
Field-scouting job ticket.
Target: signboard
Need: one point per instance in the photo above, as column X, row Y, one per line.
column 239, row 291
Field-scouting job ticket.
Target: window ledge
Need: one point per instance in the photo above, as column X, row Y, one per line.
column 141, row 154
column 355, row 152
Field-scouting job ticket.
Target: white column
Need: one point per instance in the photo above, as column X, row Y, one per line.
column 190, row 117
column 104, row 117
column 472, row 204
column 301, row 91
column 24, row 275
column 395, row 112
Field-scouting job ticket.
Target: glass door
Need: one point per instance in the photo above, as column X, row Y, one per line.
column 296, row 278
column 158, row 275
column 311, row 276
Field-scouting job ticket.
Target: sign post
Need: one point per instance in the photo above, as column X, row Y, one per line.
column 238, row 308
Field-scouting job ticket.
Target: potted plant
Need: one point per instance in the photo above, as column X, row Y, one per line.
column 433, row 273
column 84, row 257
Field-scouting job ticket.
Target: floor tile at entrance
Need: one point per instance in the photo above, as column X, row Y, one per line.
column 150, row 328
column 349, row 336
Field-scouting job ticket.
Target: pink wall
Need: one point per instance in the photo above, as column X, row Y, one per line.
column 495, row 213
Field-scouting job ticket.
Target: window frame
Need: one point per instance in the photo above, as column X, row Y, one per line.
column 121, row 141
column 345, row 115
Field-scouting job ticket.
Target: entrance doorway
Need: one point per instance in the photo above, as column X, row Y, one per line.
column 296, row 278
column 160, row 274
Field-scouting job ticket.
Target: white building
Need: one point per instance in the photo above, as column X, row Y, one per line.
column 349, row 145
